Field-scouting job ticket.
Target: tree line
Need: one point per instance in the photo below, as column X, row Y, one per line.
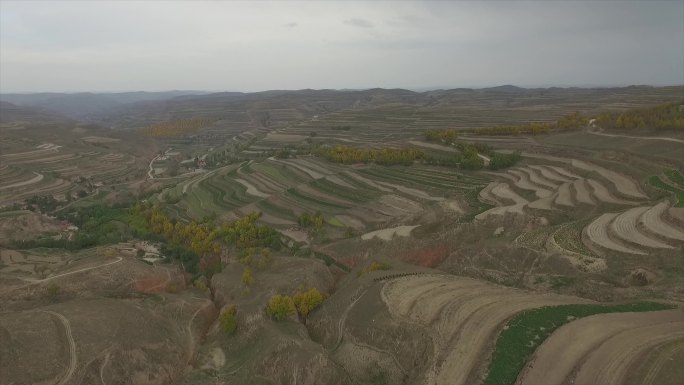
column 382, row 156
column 667, row 116
column 571, row 121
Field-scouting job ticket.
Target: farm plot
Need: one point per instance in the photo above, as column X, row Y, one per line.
column 634, row 230
column 622, row 184
column 609, row 349
column 566, row 241
column 556, row 187
column 463, row 317
column 658, row 183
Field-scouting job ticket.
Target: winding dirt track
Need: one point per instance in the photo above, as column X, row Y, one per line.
column 638, row 137
column 73, row 358
column 602, row 347
column 462, row 315
column 35, row 281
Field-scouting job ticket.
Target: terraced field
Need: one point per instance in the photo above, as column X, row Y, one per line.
column 558, row 187
column 615, row 349
column 362, row 198
column 635, row 231
column 50, row 169
column 463, row 317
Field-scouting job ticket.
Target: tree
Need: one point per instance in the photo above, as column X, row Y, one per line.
column 307, row 301
column 280, row 307
column 228, row 319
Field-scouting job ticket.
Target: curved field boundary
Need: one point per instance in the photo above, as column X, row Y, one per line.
column 544, row 203
column 623, row 184
column 462, row 315
column 570, row 345
column 388, row 234
column 597, row 233
column 609, row 363
column 486, row 196
column 564, row 197
column 656, row 182
column 653, row 222
column 625, row 227
column 251, row 190
column 523, row 181
column 367, row 182
column 550, row 174
column 503, row 192
column 537, row 178
column 658, row 358
column 564, row 172
column 601, row 193
column 33, row 180
column 582, row 193
column 497, row 192
column 578, row 260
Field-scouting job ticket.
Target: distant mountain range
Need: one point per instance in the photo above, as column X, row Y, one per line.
column 129, row 110
column 85, row 104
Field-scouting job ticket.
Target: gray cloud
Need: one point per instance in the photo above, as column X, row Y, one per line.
column 356, row 22
column 152, row 45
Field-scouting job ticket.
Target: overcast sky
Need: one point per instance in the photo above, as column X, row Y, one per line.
column 225, row 45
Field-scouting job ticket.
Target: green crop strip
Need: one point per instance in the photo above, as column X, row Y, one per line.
column 675, row 176
column 656, row 182
column 523, row 334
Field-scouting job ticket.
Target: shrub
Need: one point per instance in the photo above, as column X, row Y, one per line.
column 280, row 307
column 307, row 301
column 247, row 276
column 228, row 319
column 53, row 291
column 375, row 266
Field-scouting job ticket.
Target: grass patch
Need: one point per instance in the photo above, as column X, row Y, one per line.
column 478, row 207
column 569, row 237
column 335, row 222
column 523, row 334
column 536, row 239
column 656, row 182
column 675, row 176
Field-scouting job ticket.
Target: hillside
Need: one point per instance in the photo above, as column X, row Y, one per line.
column 465, row 236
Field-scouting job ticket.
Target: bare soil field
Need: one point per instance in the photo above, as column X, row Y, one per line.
column 462, row 324
column 602, row 348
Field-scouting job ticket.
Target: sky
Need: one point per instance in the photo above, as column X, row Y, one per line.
column 101, row 46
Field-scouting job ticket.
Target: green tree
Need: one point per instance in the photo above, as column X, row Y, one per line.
column 280, row 307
